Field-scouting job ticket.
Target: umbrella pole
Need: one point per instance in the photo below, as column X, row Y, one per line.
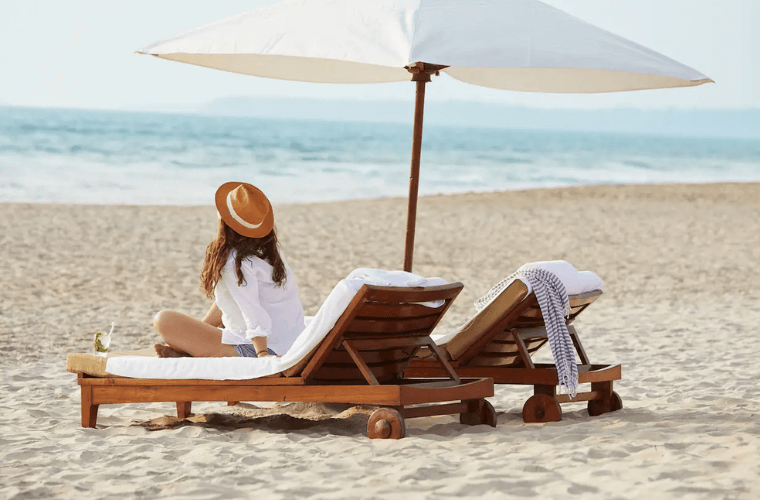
column 414, row 176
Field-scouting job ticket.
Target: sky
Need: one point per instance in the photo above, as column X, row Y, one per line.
column 80, row 54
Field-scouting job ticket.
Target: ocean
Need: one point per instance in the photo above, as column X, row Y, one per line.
column 102, row 157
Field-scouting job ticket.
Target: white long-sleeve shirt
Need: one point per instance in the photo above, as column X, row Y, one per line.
column 258, row 307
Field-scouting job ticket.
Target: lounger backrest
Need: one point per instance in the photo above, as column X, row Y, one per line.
column 477, row 332
column 384, row 326
column 487, row 339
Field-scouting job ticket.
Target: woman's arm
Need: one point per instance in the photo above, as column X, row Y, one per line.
column 257, row 321
column 214, row 316
column 260, row 344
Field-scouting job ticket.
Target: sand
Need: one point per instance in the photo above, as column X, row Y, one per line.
column 680, row 312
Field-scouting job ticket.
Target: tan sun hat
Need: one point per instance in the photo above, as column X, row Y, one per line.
column 245, row 209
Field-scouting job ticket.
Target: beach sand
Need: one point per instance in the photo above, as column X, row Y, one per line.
column 680, row 312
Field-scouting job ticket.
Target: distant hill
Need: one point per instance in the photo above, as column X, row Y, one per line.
column 701, row 123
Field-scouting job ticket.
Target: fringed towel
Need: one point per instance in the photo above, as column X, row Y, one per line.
column 555, row 307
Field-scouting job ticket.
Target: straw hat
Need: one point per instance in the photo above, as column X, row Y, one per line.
column 245, row 209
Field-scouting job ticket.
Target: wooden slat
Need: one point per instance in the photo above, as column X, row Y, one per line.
column 543, row 373
column 577, row 304
column 380, row 310
column 500, row 348
column 584, row 298
column 496, row 361
column 430, row 410
column 486, row 354
column 393, row 295
column 357, row 394
column 374, row 344
column 532, row 312
column 347, row 372
column 395, row 325
column 526, row 334
column 532, row 336
column 575, row 314
column 122, row 382
column 467, row 389
column 505, row 334
column 528, row 323
column 370, row 357
column 411, row 392
column 381, row 336
column 580, row 397
column 533, row 344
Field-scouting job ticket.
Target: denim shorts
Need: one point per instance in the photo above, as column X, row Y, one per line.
column 248, row 351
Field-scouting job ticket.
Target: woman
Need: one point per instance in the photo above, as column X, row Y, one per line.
column 256, row 310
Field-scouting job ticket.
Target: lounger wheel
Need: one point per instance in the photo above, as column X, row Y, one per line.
column 483, row 413
column 386, row 423
column 541, row 408
column 600, row 407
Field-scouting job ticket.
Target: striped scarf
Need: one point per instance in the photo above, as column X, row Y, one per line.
column 555, row 307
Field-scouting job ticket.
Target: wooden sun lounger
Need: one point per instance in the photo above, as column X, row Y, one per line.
column 360, row 361
column 499, row 343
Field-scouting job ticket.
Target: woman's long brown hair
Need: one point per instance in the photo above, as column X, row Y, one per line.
column 227, row 240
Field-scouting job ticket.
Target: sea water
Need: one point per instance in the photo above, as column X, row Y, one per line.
column 77, row 156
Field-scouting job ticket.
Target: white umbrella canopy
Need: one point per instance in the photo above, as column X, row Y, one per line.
column 522, row 45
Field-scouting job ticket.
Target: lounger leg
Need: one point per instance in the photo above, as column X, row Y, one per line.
column 479, row 411
column 89, row 410
column 609, row 401
column 184, row 409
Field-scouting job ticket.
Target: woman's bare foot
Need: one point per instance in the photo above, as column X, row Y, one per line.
column 164, row 351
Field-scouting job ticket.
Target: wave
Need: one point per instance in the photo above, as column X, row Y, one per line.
column 131, row 158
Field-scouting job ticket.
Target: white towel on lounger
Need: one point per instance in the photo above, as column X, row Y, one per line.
column 236, row 368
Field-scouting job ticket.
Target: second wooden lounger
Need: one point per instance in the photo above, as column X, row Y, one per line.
column 361, row 360
column 499, row 341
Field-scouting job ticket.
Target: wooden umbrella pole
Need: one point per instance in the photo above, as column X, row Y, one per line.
column 421, row 73
column 414, row 176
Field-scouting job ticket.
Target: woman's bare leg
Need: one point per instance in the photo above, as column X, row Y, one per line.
column 164, row 351
column 185, row 334
column 214, row 316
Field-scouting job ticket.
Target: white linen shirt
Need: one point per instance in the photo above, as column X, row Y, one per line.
column 258, row 307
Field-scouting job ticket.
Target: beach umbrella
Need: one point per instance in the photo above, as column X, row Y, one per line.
column 521, row 45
